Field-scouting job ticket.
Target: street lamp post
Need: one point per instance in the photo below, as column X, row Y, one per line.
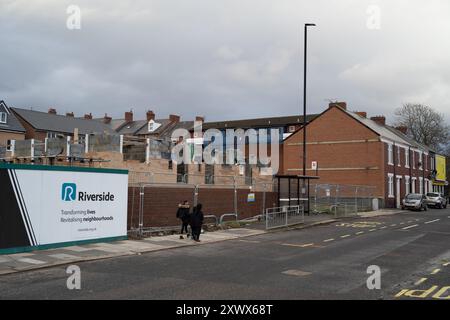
column 304, row 94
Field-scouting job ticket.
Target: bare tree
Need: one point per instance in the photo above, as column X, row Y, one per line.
column 425, row 125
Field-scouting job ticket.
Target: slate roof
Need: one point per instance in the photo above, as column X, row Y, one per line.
column 269, row 122
column 12, row 123
column 44, row 121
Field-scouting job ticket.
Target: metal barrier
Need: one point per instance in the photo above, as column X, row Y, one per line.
column 344, row 210
column 227, row 215
column 284, row 216
column 211, row 216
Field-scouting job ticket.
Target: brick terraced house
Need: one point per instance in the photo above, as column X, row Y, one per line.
column 351, row 149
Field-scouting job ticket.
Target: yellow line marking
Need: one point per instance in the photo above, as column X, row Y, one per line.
column 361, row 232
column 328, row 240
column 372, row 230
column 401, row 293
column 432, row 221
column 410, row 227
column 435, row 271
column 446, row 264
column 420, row 281
column 345, row 236
column 298, row 245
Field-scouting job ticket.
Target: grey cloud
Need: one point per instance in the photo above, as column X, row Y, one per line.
column 223, row 59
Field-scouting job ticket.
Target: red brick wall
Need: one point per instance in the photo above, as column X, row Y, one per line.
column 160, row 204
column 353, row 161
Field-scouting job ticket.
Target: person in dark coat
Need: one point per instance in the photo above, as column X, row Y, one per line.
column 197, row 222
column 183, row 213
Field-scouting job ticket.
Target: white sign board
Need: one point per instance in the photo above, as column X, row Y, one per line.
column 67, row 205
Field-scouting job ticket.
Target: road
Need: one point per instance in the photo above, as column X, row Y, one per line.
column 411, row 249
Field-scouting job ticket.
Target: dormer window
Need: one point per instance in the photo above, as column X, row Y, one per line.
column 151, row 126
column 3, row 117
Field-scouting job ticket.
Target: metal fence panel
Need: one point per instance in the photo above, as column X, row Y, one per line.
column 284, row 216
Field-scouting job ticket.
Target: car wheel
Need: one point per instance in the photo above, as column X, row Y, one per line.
column 425, row 208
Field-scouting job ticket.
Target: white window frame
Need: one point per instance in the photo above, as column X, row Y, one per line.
column 421, row 160
column 399, row 159
column 407, row 163
column 414, row 183
column 391, row 185
column 3, row 117
column 407, row 184
column 390, row 154
column 420, row 185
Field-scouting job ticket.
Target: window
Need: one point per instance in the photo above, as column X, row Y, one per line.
column 390, row 185
column 390, row 154
column 3, row 117
column 51, row 134
column 413, row 185
column 399, row 162
column 291, row 128
column 414, row 159
column 432, row 163
column 425, row 161
column 407, row 158
column 8, row 145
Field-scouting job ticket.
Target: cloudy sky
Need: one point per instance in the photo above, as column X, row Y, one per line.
column 224, row 59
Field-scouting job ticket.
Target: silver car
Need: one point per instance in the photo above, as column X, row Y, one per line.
column 415, row 201
column 436, row 200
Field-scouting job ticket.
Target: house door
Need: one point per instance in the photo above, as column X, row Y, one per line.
column 399, row 198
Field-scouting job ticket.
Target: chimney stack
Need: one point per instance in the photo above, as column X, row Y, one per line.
column 107, row 119
column 52, row 111
column 70, row 114
column 174, row 118
column 342, row 105
column 402, row 129
column 150, row 115
column 199, row 119
column 129, row 116
column 361, row 114
column 381, row 120
column 88, row 116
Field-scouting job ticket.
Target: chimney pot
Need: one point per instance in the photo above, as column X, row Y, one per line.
column 107, row 119
column 150, row 115
column 362, row 114
column 402, row 129
column 129, row 116
column 342, row 105
column 52, row 111
column 174, row 118
column 200, row 119
column 381, row 120
column 70, row 114
column 88, row 116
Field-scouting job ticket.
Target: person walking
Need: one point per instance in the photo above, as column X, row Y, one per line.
column 197, row 222
column 184, row 215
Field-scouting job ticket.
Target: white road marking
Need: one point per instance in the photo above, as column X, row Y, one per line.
column 298, row 245
column 249, row 241
column 432, row 221
column 446, row 264
column 393, row 225
column 328, row 240
column 372, row 230
column 383, row 227
column 345, row 236
column 31, row 261
column 358, row 233
column 298, row 273
column 410, row 227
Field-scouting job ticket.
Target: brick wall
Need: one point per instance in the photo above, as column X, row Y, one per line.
column 161, row 203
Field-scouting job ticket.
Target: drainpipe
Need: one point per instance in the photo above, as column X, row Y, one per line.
column 394, row 160
column 410, row 170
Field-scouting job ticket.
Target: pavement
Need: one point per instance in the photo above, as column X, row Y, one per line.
column 68, row 255
column 329, row 261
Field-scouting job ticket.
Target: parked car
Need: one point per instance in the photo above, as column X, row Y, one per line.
column 415, row 201
column 436, row 200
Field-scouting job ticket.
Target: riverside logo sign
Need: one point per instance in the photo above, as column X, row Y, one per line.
column 69, row 193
